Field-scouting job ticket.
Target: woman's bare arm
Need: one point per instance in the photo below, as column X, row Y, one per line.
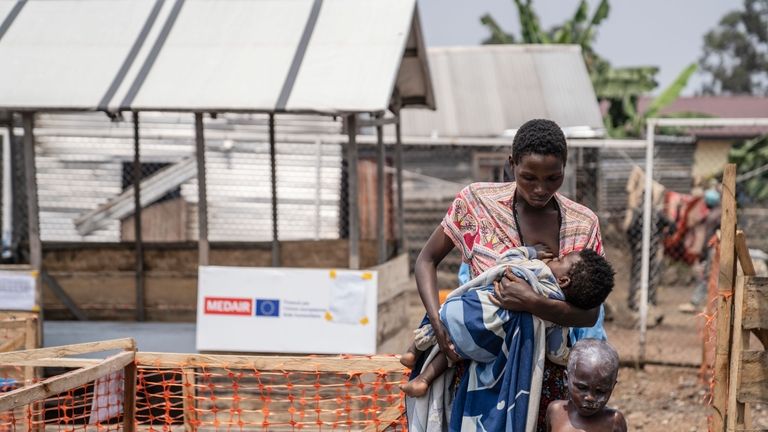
column 433, row 252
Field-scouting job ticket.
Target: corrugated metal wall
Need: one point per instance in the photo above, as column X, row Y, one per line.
column 81, row 158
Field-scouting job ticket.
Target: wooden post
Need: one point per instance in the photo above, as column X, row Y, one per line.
column 129, row 397
column 189, row 393
column 30, row 174
column 129, row 390
column 137, row 232
column 401, row 247
column 273, row 183
column 740, row 342
column 380, row 191
column 352, row 188
column 738, row 413
column 33, row 215
column 30, row 342
column 725, row 306
column 202, row 200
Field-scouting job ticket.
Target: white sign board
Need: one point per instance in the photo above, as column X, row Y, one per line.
column 17, row 290
column 286, row 310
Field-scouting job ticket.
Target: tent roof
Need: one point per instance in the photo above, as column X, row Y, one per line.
column 324, row 56
column 491, row 90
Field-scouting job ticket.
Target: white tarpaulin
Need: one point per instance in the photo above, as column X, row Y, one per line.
column 17, row 290
column 326, row 56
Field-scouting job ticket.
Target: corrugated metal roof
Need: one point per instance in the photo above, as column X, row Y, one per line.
column 329, row 56
column 486, row 90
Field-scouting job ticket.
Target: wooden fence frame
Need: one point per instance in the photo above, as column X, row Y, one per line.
column 741, row 374
column 87, row 370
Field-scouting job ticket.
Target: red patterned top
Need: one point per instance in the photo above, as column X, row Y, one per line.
column 482, row 225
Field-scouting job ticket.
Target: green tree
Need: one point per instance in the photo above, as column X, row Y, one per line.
column 751, row 158
column 735, row 57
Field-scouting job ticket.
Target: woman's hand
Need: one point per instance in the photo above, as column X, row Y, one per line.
column 513, row 293
column 444, row 341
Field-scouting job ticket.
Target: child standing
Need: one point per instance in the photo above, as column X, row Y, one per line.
column 592, row 371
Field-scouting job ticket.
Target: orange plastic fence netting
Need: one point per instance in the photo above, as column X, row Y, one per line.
column 197, row 396
column 95, row 406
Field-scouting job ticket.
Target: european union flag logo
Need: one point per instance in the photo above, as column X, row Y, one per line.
column 268, row 307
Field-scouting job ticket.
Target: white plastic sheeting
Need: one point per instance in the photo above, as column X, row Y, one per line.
column 202, row 55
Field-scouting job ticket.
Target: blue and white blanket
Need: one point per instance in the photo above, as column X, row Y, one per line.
column 501, row 388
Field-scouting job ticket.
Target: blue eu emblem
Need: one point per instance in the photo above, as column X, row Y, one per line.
column 268, row 307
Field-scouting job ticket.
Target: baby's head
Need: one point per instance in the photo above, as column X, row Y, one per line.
column 585, row 277
column 593, row 366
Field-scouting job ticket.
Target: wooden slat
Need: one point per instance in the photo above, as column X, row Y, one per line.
column 739, row 343
column 65, row 382
column 754, row 377
column 68, row 350
column 387, row 417
column 725, row 291
column 742, row 252
column 756, row 303
column 55, row 362
column 189, row 393
column 129, row 396
column 13, row 344
column 279, row 363
column 12, row 323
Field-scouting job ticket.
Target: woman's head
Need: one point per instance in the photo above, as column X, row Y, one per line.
column 538, row 160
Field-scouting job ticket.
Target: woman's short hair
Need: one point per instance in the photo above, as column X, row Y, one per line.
column 539, row 136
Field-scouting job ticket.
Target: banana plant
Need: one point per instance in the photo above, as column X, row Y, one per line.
column 751, row 158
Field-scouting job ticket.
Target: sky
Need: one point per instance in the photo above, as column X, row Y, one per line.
column 664, row 33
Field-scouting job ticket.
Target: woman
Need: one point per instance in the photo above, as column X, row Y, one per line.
column 487, row 219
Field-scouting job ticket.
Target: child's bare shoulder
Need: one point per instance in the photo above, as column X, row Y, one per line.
column 616, row 418
column 557, row 406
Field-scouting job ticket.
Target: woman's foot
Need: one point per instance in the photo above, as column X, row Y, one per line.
column 416, row 387
column 408, row 360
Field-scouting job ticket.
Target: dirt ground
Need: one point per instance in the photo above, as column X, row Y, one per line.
column 658, row 398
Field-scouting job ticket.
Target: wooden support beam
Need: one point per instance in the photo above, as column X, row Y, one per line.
column 400, row 215
column 189, row 393
column 378, row 121
column 66, row 300
column 13, row 323
column 137, row 231
column 742, row 252
column 353, row 217
column 725, row 292
column 61, row 383
column 381, row 234
column 739, row 342
column 756, row 304
column 30, row 342
column 71, row 363
column 386, row 418
column 754, row 377
column 68, row 350
column 273, row 190
column 286, row 363
column 129, row 396
column 13, row 344
column 202, row 197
